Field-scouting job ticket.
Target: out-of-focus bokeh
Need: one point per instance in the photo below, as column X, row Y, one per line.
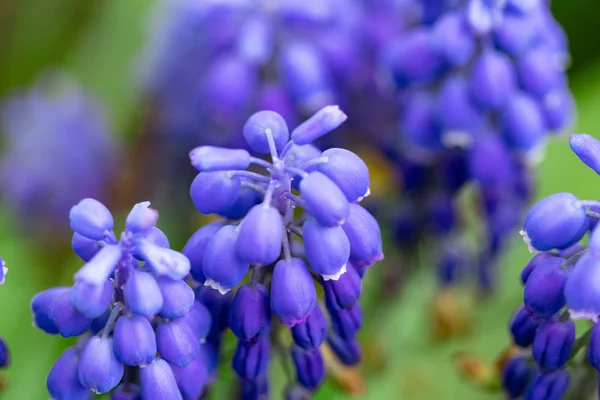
column 79, row 61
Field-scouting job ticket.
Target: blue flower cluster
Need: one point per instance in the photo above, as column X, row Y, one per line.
column 298, row 224
column 560, row 285
column 4, row 353
column 50, row 120
column 139, row 324
column 210, row 65
column 481, row 83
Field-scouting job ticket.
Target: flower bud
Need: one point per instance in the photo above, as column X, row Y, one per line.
column 319, row 124
column 177, row 342
column 311, row 333
column 210, row 158
column 347, row 351
column 324, row 200
column 141, row 217
column 91, row 300
column 251, row 358
column 346, row 321
column 594, row 347
column 517, row 34
column 157, row 381
column 134, row 341
column 4, row 353
column 543, row 292
column 293, row 293
column 492, row 79
column 344, row 292
column 245, row 200
column 327, row 249
column 178, row 297
column 419, row 125
column 163, row 261
column 523, row 327
column 557, row 221
column 196, row 245
column 523, row 123
column 41, row 304
column 221, row 264
column 63, row 380
column 255, row 389
column 497, row 173
column 517, row 375
column 532, row 264
column 261, row 123
column 68, row 321
column 452, row 39
column 192, row 378
column 214, row 192
column 348, row 171
column 250, row 312
column 260, row 235
column 99, row 269
column 218, row 305
column 199, row 319
column 549, row 386
column 553, row 344
column 310, row 367
column 581, row 292
column 91, row 219
column 142, row 294
column 364, row 235
column 85, row 248
column 539, row 72
column 99, row 368
column 587, row 148
column 558, row 108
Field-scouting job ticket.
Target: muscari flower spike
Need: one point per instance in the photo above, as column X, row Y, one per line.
column 50, row 119
column 140, row 325
column 340, row 241
column 560, row 285
column 481, row 84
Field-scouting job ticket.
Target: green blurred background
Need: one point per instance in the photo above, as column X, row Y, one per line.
column 99, row 41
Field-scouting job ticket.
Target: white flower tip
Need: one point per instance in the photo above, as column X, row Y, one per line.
column 367, row 194
column 527, row 241
column 584, row 314
column 336, row 276
column 217, row 286
column 459, row 139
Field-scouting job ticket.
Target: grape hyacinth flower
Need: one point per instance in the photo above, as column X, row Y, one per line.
column 337, row 241
column 140, row 327
column 480, row 86
column 49, row 120
column 560, row 286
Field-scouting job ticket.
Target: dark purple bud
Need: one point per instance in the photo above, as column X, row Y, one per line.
column 582, row 294
column 256, row 389
column 157, row 382
column 549, row 387
column 553, row 344
column 346, row 321
column 347, row 351
column 91, row 219
column 142, row 294
column 311, row 333
column 594, row 347
column 492, row 79
column 556, row 222
column 134, row 341
column 251, row 358
column 218, row 305
column 210, row 158
column 91, row 300
column 250, row 312
column 348, row 171
column 344, row 292
column 452, row 39
column 214, row 192
column 452, row 263
column 66, row 318
column 63, row 380
column 264, row 123
column 4, row 353
column 587, row 148
column 310, row 367
column 85, row 248
column 221, row 264
column 192, row 378
column 517, row 375
column 260, row 235
column 319, row 124
column 327, row 249
column 199, row 319
column 533, row 263
column 523, row 123
column 99, row 368
column 324, row 200
column 178, row 297
column 177, row 342
column 543, row 292
column 196, row 245
column 442, row 218
column 41, row 304
column 364, row 235
column 141, row 217
column 419, row 125
column 293, row 293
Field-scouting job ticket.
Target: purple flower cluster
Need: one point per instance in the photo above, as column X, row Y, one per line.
column 298, row 224
column 42, row 127
column 4, row 353
column 481, row 84
column 139, row 324
column 560, row 285
column 211, row 64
